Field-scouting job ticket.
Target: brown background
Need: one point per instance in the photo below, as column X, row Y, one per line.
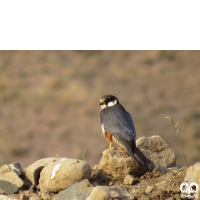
column 49, row 101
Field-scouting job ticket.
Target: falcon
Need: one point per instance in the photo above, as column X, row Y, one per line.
column 117, row 126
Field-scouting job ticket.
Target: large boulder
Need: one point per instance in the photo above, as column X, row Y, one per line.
column 64, row 173
column 33, row 170
column 155, row 149
column 116, row 164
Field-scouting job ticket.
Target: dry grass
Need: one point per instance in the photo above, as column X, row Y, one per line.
column 49, row 100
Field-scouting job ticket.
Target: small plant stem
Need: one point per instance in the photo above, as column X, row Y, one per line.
column 178, row 138
column 84, row 154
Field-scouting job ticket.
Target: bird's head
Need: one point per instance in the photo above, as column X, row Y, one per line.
column 108, row 101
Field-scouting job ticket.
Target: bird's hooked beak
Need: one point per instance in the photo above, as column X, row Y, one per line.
column 102, row 102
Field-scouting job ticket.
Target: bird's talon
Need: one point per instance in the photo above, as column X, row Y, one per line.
column 112, row 148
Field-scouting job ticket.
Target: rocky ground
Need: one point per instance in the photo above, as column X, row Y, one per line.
column 115, row 177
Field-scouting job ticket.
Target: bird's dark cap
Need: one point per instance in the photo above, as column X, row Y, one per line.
column 107, row 98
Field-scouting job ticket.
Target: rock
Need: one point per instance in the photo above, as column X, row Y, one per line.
column 4, row 169
column 159, row 171
column 78, row 191
column 45, row 196
column 116, row 164
column 4, row 197
column 10, row 182
column 64, row 173
column 24, row 197
column 34, row 197
column 106, row 193
column 95, row 184
column 149, row 189
column 163, row 169
column 193, row 176
column 33, row 170
column 129, row 180
column 16, row 167
column 157, row 151
column 172, row 168
column 8, row 188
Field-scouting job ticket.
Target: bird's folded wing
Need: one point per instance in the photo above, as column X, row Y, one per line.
column 118, row 123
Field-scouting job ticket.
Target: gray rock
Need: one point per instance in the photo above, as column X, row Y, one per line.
column 162, row 169
column 193, row 176
column 159, row 171
column 4, row 197
column 172, row 168
column 62, row 174
column 16, row 167
column 157, row 151
column 33, row 170
column 10, row 182
column 8, row 188
column 106, row 193
column 78, row 191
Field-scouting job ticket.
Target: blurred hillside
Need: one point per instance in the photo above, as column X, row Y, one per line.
column 49, row 100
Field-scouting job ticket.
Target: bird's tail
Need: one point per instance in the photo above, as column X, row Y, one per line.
column 137, row 156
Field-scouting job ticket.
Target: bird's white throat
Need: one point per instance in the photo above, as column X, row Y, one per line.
column 112, row 103
column 103, row 106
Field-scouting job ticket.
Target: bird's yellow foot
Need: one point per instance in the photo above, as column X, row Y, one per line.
column 110, row 148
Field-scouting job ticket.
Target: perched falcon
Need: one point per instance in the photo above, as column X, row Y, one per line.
column 117, row 126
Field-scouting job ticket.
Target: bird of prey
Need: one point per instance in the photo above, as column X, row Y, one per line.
column 117, row 126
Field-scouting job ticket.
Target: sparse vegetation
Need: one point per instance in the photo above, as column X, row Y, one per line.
column 179, row 141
